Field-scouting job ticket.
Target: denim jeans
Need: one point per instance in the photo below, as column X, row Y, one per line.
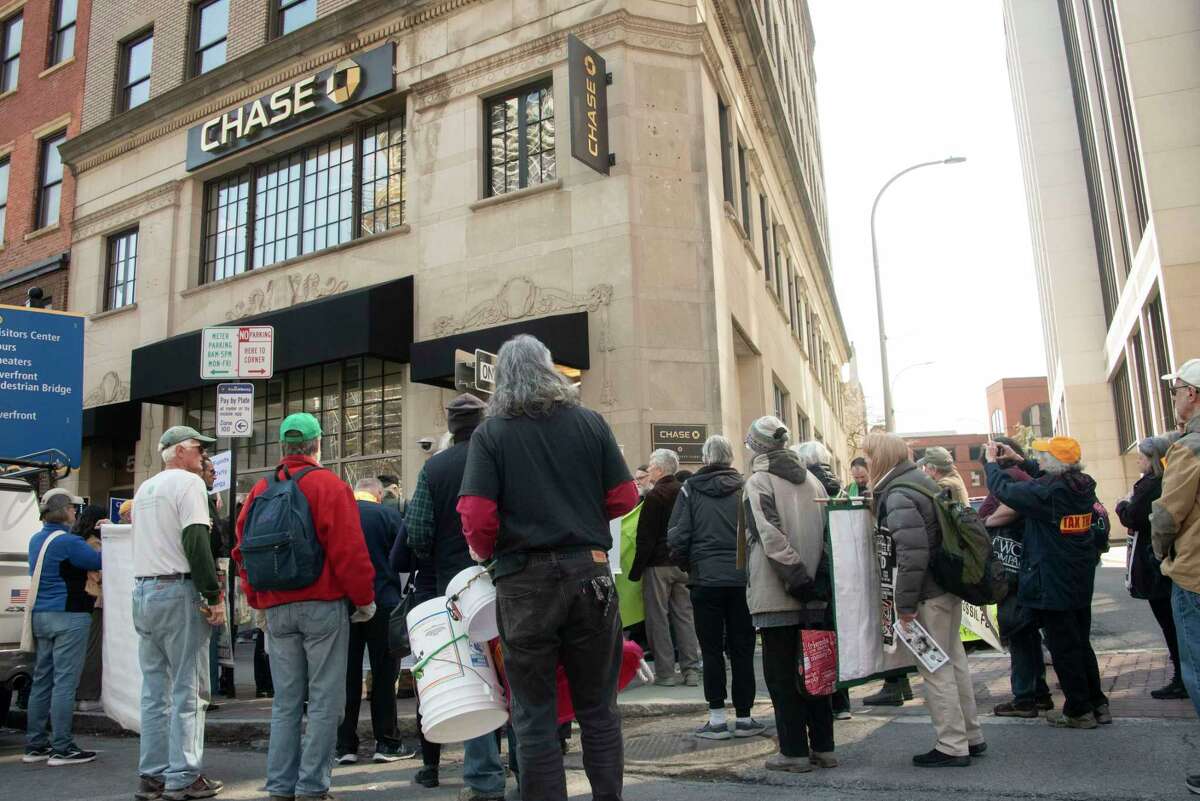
column 482, row 769
column 562, row 607
column 1186, row 606
column 173, row 655
column 61, row 646
column 1028, row 665
column 309, row 642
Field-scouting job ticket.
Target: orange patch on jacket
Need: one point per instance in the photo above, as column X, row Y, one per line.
column 1075, row 524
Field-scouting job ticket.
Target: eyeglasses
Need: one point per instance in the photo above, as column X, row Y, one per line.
column 1175, row 388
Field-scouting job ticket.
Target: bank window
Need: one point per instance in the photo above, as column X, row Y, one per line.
column 62, row 35
column 11, row 66
column 765, row 217
column 780, row 396
column 383, row 176
column 227, row 212
column 293, row 14
column 4, row 165
column 121, row 269
column 1123, row 406
column 210, row 31
column 136, row 55
column 726, row 151
column 50, row 180
column 744, row 177
column 521, row 139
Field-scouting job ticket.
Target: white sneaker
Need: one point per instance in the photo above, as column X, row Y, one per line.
column 347, row 759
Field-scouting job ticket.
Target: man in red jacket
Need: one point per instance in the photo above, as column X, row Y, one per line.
column 308, row 629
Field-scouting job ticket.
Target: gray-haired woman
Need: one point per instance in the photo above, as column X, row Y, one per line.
column 702, row 537
column 1146, row 580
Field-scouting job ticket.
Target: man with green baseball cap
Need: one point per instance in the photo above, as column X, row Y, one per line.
column 178, row 434
column 309, row 625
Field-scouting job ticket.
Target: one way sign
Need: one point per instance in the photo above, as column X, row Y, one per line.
column 246, row 351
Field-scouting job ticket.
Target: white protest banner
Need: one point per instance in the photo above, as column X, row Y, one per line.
column 221, row 463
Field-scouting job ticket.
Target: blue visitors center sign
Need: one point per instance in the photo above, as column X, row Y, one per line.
column 41, row 377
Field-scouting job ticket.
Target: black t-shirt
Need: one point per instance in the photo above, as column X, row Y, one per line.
column 549, row 477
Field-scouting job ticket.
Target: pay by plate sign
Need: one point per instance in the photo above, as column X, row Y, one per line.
column 41, row 378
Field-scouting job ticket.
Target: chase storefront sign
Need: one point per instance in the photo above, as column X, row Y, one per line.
column 351, row 81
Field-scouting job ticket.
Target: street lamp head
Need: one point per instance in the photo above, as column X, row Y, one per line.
column 955, row 160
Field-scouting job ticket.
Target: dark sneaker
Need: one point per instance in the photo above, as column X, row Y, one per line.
column 670, row 680
column 748, row 728
column 691, row 678
column 325, row 796
column 37, row 754
column 347, row 758
column 890, row 695
column 427, row 776
column 936, row 759
column 471, row 794
column 1193, row 783
column 1061, row 720
column 1016, row 709
column 283, row 798
column 1045, row 703
column 710, row 732
column 1174, row 690
column 1103, row 715
column 823, row 759
column 396, row 754
column 72, row 756
column 149, row 788
column 789, row 764
column 979, row 749
column 201, row 788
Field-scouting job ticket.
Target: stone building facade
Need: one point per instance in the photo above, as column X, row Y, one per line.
column 381, row 227
column 1107, row 95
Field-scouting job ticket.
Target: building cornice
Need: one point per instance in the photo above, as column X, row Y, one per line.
column 127, row 211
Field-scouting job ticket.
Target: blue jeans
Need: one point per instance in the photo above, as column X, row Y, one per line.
column 1186, row 606
column 173, row 654
column 482, row 769
column 309, row 641
column 61, row 646
column 1028, row 665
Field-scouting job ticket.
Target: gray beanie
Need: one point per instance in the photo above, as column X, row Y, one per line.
column 767, row 434
column 464, row 412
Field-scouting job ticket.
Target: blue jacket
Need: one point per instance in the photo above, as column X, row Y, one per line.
column 1059, row 556
column 381, row 527
column 64, row 573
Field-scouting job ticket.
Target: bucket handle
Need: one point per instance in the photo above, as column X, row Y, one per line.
column 452, row 601
column 419, row 669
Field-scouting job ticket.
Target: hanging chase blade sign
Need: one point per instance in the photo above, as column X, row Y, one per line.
column 587, row 81
column 351, row 81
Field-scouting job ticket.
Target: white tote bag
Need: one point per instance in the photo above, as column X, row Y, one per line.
column 28, row 642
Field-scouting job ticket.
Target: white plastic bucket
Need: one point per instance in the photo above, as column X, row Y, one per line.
column 460, row 696
column 476, row 604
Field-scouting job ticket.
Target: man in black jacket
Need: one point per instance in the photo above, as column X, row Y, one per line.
column 435, row 535
column 664, row 586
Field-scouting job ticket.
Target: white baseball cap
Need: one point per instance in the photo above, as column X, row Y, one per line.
column 59, row 498
column 1189, row 373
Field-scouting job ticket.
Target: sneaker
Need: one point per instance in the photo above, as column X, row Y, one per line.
column 750, row 728
column 789, row 764
column 37, row 754
column 1103, row 715
column 264, row 694
column 668, row 680
column 691, row 678
column 347, row 759
column 201, row 788
column 427, row 776
column 1193, row 783
column 889, row 695
column 72, row 756
column 1045, row 703
column 401, row 751
column 979, row 749
column 150, row 788
column 843, row 714
column 1173, row 690
column 1061, row 720
column 471, row 794
column 823, row 759
column 710, row 732
column 1016, row 709
column 936, row 759
column 88, row 706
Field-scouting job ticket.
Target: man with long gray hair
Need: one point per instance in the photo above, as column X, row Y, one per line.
column 544, row 477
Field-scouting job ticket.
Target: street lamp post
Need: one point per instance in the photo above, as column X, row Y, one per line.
column 889, row 414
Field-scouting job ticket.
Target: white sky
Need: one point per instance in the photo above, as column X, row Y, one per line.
column 898, row 84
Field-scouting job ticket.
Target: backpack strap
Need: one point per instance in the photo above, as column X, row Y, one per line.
column 289, row 476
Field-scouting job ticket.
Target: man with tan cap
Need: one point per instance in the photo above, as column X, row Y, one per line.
column 176, row 601
column 1175, row 528
column 938, row 464
column 1058, row 566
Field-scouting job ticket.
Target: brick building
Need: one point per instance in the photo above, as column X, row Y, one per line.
column 1015, row 403
column 43, row 56
column 966, row 450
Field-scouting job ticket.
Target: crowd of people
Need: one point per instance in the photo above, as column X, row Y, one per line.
column 528, row 484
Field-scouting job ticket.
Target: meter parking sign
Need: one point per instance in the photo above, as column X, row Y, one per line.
column 235, row 410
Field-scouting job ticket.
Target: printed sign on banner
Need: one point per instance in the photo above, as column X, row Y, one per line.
column 885, row 548
column 222, row 462
column 981, row 621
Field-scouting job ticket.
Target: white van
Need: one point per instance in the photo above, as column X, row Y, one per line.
column 19, row 521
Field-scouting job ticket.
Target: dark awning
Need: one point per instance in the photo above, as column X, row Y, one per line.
column 116, row 420
column 566, row 335
column 373, row 321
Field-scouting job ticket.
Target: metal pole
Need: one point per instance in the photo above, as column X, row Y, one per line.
column 889, row 414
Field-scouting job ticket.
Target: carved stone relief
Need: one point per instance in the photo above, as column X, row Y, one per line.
column 279, row 293
column 111, row 390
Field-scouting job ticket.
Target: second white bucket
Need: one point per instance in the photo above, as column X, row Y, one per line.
column 476, row 603
column 460, row 696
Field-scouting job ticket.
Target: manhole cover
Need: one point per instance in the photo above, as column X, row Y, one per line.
column 686, row 749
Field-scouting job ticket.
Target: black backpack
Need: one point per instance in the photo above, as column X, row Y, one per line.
column 965, row 564
column 280, row 549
